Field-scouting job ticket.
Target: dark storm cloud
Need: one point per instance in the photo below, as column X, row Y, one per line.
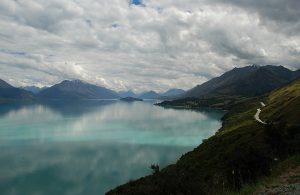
column 282, row 15
column 276, row 16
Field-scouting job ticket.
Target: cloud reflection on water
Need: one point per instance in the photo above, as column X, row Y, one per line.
column 91, row 147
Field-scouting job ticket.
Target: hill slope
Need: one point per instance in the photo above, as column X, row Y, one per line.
column 8, row 92
column 149, row 95
column 247, row 81
column 173, row 92
column 77, row 90
column 242, row 152
column 4, row 84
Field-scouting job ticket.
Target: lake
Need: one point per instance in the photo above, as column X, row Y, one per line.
column 90, row 147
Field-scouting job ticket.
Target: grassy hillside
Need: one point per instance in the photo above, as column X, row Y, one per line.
column 240, row 154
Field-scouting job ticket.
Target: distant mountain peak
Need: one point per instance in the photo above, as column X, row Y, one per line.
column 149, row 95
column 77, row 89
column 75, row 81
column 128, row 93
column 78, row 81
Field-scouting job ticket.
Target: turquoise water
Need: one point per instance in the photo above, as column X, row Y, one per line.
column 90, row 147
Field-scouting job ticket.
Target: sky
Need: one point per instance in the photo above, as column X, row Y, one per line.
column 143, row 44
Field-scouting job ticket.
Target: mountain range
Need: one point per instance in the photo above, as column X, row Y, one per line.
column 152, row 94
column 149, row 95
column 77, row 89
column 246, row 81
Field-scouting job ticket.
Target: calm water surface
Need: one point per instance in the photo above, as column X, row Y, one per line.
column 90, row 147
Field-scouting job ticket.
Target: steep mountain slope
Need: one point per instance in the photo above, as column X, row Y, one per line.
column 172, row 92
column 247, row 81
column 8, row 92
column 241, row 153
column 296, row 74
column 4, row 84
column 77, row 89
column 149, row 95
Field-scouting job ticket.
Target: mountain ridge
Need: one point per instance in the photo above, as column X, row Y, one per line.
column 4, row 84
column 149, row 95
column 245, row 81
column 172, row 92
column 8, row 92
column 77, row 89
column 129, row 93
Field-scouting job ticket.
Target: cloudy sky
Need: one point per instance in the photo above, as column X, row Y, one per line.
column 140, row 45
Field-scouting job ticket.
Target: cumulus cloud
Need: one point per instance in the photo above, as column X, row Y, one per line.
column 141, row 45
